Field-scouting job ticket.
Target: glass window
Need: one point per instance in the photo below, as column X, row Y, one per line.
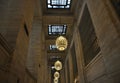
column 57, row 29
column 58, row 3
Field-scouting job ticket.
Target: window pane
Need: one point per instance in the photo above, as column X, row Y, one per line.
column 48, row 1
column 68, row 6
column 58, row 3
column 57, row 29
column 49, row 6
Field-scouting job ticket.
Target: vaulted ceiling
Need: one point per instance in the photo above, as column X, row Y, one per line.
column 57, row 16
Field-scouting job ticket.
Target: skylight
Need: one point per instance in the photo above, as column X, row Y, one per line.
column 58, row 3
column 57, row 29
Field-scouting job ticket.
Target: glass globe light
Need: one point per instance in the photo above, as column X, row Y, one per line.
column 55, row 80
column 61, row 43
column 56, row 75
column 58, row 65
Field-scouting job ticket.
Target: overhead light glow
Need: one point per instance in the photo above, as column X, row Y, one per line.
column 58, row 65
column 55, row 80
column 61, row 43
column 56, row 75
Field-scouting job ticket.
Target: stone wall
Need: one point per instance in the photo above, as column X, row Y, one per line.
column 14, row 42
column 105, row 67
column 18, row 69
column 106, row 26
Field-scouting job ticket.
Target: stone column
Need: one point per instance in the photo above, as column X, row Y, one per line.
column 42, row 60
column 35, row 48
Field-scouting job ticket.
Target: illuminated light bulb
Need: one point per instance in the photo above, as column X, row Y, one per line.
column 61, row 43
column 58, row 65
column 56, row 75
column 55, row 80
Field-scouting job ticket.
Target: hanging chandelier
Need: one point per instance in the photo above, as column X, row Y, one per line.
column 55, row 80
column 56, row 75
column 61, row 43
column 58, row 65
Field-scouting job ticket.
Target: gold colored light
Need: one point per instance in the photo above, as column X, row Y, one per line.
column 55, row 80
column 56, row 75
column 58, row 65
column 61, row 43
